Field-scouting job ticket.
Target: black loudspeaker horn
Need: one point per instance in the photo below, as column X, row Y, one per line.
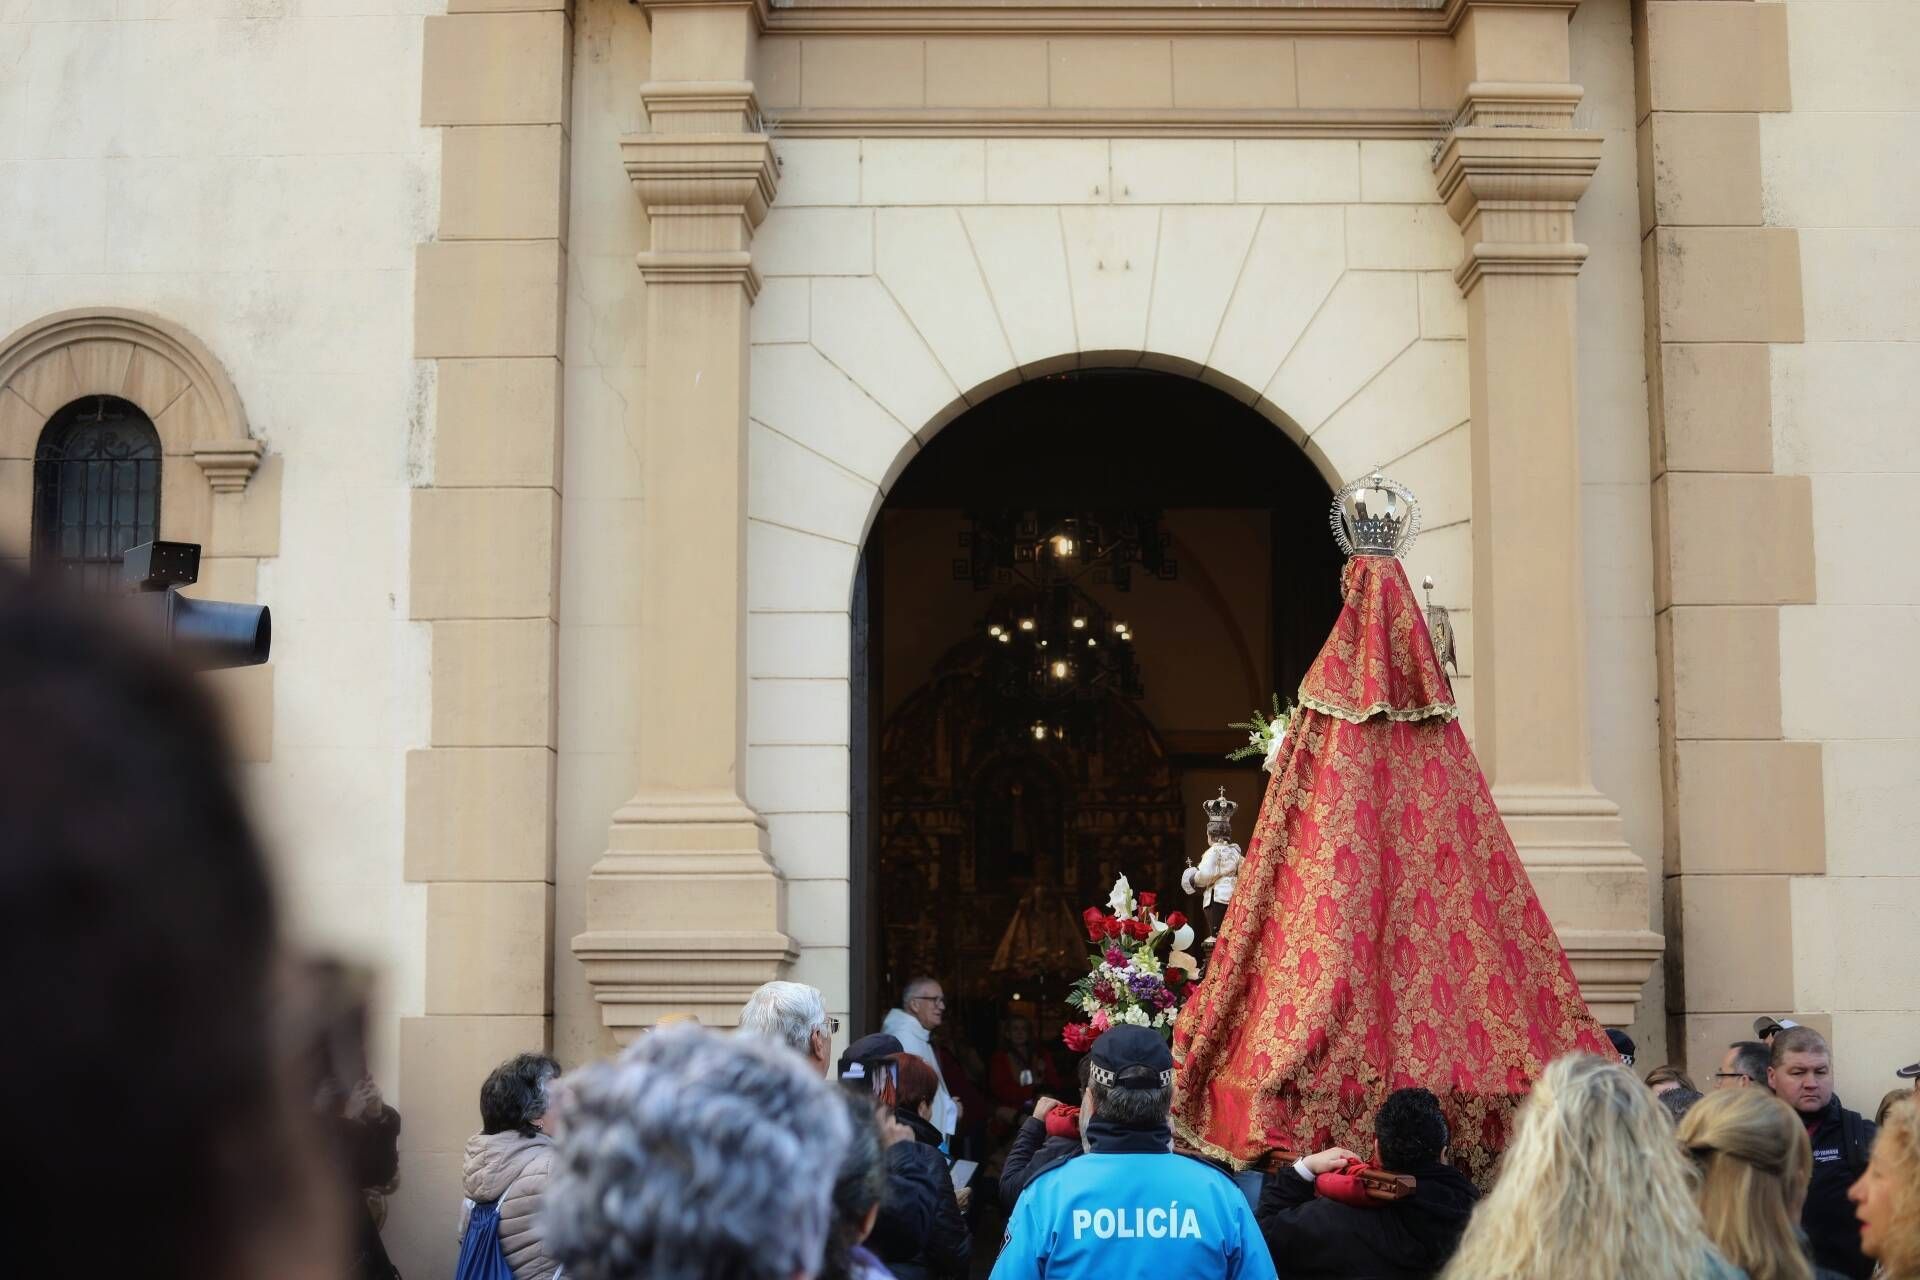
column 207, row 635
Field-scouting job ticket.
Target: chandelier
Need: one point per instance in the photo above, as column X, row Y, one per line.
column 1053, row 651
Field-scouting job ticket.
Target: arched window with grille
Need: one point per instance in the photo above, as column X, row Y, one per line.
column 96, row 489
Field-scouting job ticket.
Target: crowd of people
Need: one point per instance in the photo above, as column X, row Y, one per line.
column 215, row 1117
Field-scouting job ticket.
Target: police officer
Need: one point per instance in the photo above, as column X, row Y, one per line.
column 1130, row 1209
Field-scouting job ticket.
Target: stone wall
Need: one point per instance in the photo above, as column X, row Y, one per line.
column 1839, row 169
column 257, row 181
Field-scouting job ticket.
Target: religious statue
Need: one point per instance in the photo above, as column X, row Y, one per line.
column 1219, row 867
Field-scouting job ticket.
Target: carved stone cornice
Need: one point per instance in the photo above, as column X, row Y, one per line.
column 1513, row 192
column 1097, row 122
column 228, row 464
column 702, row 174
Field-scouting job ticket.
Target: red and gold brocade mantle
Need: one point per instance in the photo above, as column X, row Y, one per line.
column 1383, row 932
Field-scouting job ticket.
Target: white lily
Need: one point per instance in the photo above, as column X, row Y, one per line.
column 1120, row 901
column 1183, row 938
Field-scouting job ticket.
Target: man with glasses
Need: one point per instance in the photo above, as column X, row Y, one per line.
column 794, row 1014
column 1745, row 1064
column 923, row 1007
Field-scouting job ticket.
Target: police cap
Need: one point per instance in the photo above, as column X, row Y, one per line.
column 1130, row 1057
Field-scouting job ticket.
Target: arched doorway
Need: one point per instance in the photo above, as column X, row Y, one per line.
column 990, row 809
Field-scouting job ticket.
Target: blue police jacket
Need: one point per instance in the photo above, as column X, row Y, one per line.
column 1133, row 1217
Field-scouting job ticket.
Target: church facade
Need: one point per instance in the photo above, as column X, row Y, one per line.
column 546, row 366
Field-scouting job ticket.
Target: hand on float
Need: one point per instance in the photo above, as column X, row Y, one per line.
column 1332, row 1160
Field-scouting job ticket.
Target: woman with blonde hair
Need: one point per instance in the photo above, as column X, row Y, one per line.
column 1886, row 1199
column 1592, row 1187
column 1754, row 1161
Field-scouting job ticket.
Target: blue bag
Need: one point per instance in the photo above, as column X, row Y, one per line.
column 481, row 1257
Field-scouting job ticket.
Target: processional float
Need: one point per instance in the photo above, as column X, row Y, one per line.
column 1382, row 933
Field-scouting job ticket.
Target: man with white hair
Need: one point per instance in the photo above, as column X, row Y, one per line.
column 695, row 1155
column 923, row 1006
column 794, row 1014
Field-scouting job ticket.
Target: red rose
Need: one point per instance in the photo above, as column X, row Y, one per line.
column 1110, row 927
column 1178, row 920
column 1078, row 1036
column 1140, row 930
column 1095, row 920
column 1176, row 977
column 1146, row 900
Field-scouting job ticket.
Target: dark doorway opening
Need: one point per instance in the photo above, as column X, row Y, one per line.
column 987, row 817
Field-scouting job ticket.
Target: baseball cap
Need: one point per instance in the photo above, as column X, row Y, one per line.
column 1130, row 1057
column 1622, row 1044
column 1766, row 1025
column 1909, row 1072
column 867, row 1048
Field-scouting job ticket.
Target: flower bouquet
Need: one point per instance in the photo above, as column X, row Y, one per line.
column 1128, row 980
column 1266, row 738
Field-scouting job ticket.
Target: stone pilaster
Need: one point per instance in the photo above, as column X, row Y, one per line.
column 686, row 911
column 1511, row 174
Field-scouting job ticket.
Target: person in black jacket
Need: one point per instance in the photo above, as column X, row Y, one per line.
column 914, row 1183
column 1800, row 1074
column 1312, row 1237
column 1042, row 1142
column 945, row 1248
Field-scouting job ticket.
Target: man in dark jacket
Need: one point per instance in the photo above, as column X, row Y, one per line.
column 1312, row 1237
column 1800, row 1074
column 1048, row 1136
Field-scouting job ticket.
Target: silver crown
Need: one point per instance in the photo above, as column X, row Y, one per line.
column 1375, row 517
column 1219, row 809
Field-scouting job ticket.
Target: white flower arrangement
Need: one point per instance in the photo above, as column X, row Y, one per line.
column 1266, row 737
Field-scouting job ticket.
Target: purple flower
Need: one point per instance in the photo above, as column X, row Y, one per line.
column 1145, row 985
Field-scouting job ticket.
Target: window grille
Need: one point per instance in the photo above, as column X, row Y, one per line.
column 96, row 490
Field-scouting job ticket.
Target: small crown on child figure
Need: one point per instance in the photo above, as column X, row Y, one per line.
column 1219, row 809
column 1375, row 516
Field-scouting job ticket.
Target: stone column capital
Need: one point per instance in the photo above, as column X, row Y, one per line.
column 1513, row 191
column 705, row 193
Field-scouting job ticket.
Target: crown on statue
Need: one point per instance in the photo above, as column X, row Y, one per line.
column 1219, row 809
column 1375, row 516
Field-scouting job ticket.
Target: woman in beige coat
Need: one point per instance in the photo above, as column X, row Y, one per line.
column 511, row 1158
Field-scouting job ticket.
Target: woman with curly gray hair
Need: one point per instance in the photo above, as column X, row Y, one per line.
column 695, row 1156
